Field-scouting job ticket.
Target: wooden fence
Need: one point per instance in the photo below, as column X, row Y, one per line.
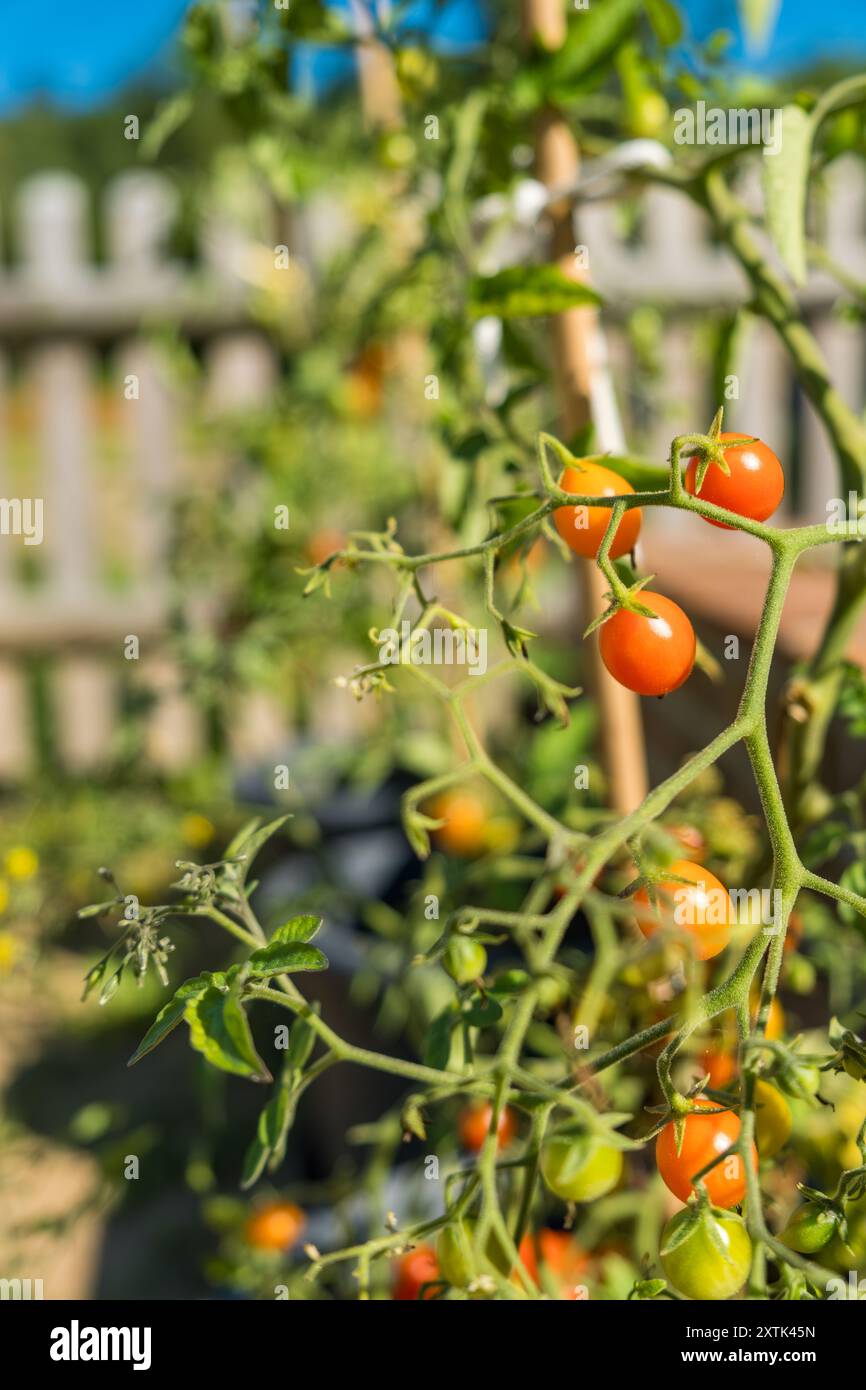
column 74, row 330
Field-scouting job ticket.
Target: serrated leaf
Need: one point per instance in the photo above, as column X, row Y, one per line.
column 280, row 957
column 219, row 1029
column 786, row 176
column 298, row 929
column 170, row 1016
column 527, row 292
column 438, row 1048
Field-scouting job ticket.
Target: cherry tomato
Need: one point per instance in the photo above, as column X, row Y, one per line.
column 810, row 1228
column 415, row 1269
column 275, row 1226
column 464, row 959
column 704, row 1138
column 706, row 1254
column 323, row 543
column 775, row 1018
column 458, row 1262
column 583, row 528
column 580, row 1168
column 690, row 840
column 465, row 823
column 700, row 909
column 772, row 1119
column 559, row 1254
column 720, row 1066
column 473, row 1126
column 754, row 488
column 651, row 656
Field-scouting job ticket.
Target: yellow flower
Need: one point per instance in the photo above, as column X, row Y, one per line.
column 21, row 862
column 196, row 830
column 8, row 950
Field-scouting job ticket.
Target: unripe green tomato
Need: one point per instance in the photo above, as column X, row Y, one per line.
column 810, row 1229
column 552, row 994
column 800, row 974
column 458, row 1262
column 580, row 1168
column 465, row 960
column 706, row 1255
column 648, row 115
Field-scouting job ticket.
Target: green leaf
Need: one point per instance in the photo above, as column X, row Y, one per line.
column 592, row 38
column 298, row 929
column 824, row 841
column 282, row 956
column 170, row 1016
column 665, row 20
column 786, row 175
column 268, row 1146
column 438, row 1048
column 301, row 1042
column 170, row 115
column 483, row 1013
column 853, row 878
column 220, row 1031
column 249, row 840
column 527, row 292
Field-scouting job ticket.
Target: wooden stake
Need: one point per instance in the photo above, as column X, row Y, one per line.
column 575, row 335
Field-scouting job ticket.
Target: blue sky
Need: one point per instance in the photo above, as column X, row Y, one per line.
column 81, row 52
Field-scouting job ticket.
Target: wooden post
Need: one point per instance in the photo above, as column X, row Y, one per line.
column 575, row 336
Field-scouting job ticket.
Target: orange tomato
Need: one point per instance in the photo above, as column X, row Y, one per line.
column 705, row 1137
column 464, row 832
column 719, row 1065
column 275, row 1226
column 560, row 1253
column 651, row 656
column 700, row 907
column 323, row 543
column 473, row 1126
column 754, row 487
column 415, row 1269
column 583, row 528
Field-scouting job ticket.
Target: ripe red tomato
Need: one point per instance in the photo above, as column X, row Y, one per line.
column 415, row 1269
column 651, row 656
column 701, row 908
column 705, row 1137
column 473, row 1126
column 559, row 1252
column 583, row 528
column 275, row 1226
column 465, row 819
column 754, row 487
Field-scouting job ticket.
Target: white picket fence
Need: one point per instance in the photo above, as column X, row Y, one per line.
column 64, row 320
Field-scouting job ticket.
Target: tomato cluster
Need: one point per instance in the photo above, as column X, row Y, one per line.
column 653, row 653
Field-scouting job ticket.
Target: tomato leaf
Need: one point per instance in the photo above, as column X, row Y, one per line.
column 438, row 1048
column 170, row 1016
column 527, row 292
column 298, row 929
column 786, row 175
column 249, row 840
column 220, row 1031
column 268, row 1145
column 279, row 957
